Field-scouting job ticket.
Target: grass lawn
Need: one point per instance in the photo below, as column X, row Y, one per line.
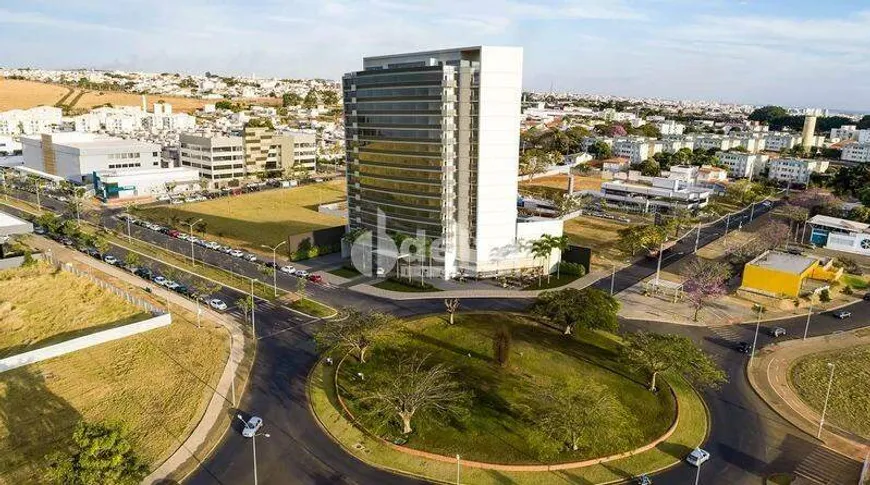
column 560, row 182
column 259, row 218
column 848, row 407
column 499, row 427
column 394, row 285
column 598, row 234
column 157, row 384
column 554, row 282
column 312, row 308
column 855, row 281
column 345, row 273
column 40, row 306
column 690, row 432
column 779, row 479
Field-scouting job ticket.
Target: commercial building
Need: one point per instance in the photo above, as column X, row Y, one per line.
column 856, row 152
column 794, row 170
column 784, row 275
column 76, row 156
column 219, row 159
column 662, row 195
column 840, row 234
column 743, row 165
column 432, row 152
column 143, row 183
column 279, row 153
column 41, row 119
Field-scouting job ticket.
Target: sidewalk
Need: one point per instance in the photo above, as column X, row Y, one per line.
column 224, row 388
column 768, row 376
column 370, row 290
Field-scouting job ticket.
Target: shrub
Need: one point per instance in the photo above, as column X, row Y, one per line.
column 411, row 282
column 849, row 265
column 825, row 296
column 575, row 269
column 847, row 290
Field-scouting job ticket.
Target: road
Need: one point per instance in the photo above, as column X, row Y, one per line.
column 748, row 440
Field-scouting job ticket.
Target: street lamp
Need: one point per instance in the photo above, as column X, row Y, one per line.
column 698, row 473
column 254, row 445
column 612, row 279
column 659, row 265
column 253, row 326
column 192, row 256
column 827, row 396
column 698, row 237
column 807, row 328
column 727, row 223
column 759, row 308
column 275, row 266
column 458, row 466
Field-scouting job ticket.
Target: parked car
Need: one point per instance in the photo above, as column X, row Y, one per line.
column 866, row 297
column 301, row 273
column 251, row 258
column 271, row 264
column 236, row 253
column 160, row 280
column 110, row 259
column 777, row 332
column 744, row 347
column 226, row 249
column 697, row 457
column 173, row 233
column 287, row 269
column 643, row 480
column 217, row 304
column 842, row 314
column 315, row 278
column 38, row 230
column 252, row 426
column 172, row 285
column 144, row 273
column 93, row 253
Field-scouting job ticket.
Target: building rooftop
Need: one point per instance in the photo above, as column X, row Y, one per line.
column 837, row 223
column 11, row 226
column 785, row 262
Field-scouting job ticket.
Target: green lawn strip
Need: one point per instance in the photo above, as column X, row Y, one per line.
column 848, row 407
column 394, row 285
column 313, row 308
column 554, row 282
column 779, row 479
column 690, row 432
column 855, row 281
column 346, row 273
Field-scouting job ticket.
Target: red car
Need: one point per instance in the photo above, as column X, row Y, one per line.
column 315, row 278
column 173, row 233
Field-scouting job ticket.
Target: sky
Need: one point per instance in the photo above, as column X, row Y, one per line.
column 803, row 53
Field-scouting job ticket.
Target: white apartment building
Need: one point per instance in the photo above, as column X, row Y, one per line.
column 163, row 119
column 850, row 132
column 636, row 150
column 76, row 156
column 662, row 195
column 219, row 159
column 8, row 145
column 743, row 165
column 670, row 127
column 714, row 142
column 779, row 142
column 686, row 173
column 143, row 183
column 856, row 152
column 795, row 170
column 675, row 143
column 753, row 143
column 433, row 152
column 42, row 119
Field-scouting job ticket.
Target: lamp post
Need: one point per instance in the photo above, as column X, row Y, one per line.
column 612, row 279
column 827, row 396
column 698, row 473
column 752, row 212
column 458, row 467
column 755, row 339
column 807, row 328
column 253, row 303
column 254, row 445
column 727, row 223
column 192, row 256
column 659, row 265
column 697, row 237
column 274, row 266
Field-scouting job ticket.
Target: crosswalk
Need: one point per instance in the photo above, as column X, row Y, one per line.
column 727, row 338
column 826, row 467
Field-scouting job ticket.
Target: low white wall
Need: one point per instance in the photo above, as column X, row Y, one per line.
column 79, row 343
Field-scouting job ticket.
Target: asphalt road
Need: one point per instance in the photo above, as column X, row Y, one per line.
column 747, row 441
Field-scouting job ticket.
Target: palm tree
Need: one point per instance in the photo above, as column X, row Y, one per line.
column 246, row 305
column 561, row 243
column 541, row 248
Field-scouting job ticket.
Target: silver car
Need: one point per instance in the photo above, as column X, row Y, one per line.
column 252, row 426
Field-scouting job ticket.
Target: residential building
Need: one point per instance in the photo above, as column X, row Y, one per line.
column 779, row 142
column 709, row 174
column 714, row 142
column 662, row 195
column 636, row 149
column 8, row 145
column 42, row 119
column 304, row 153
column 856, row 152
column 143, row 183
column 840, row 234
column 742, row 164
column 675, row 143
column 433, row 151
column 670, row 127
column 850, row 133
column 784, row 275
column 219, row 159
column 795, row 170
column 615, row 165
column 686, row 173
column 76, row 156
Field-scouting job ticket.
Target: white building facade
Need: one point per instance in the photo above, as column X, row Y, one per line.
column 143, row 183
column 42, row 119
column 795, row 170
column 743, row 165
column 219, row 159
column 856, row 152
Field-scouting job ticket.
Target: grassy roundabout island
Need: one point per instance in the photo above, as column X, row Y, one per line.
column 507, row 410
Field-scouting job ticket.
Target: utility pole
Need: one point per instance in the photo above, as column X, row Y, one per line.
column 827, row 396
column 697, row 237
column 752, row 212
column 274, row 265
column 458, row 467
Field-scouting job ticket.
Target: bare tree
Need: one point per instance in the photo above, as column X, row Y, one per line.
column 705, row 281
column 501, row 346
column 451, row 305
column 773, row 234
column 353, row 330
column 414, row 387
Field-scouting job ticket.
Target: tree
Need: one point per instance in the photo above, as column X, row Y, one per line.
column 656, row 353
column 353, row 330
column 559, row 243
column 290, row 99
column 825, row 295
column 132, row 259
column 705, row 281
column 224, row 104
column 246, row 304
column 501, row 346
column 301, row 283
column 541, row 249
column 567, row 204
column 578, row 415
column 864, row 124
column 451, row 305
column 330, row 98
column 587, row 308
column 794, row 215
column 600, row 150
column 649, row 167
column 414, row 387
column 767, row 114
column 635, row 239
column 260, row 123
column 100, row 454
column 773, row 234
column 311, row 99
column 100, row 244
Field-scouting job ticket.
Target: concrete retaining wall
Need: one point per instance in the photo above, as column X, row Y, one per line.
column 79, row 343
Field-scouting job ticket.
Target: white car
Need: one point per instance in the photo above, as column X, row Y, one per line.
column 697, row 457
column 160, row 280
column 288, row 269
column 184, row 237
column 251, row 257
column 301, row 273
column 110, row 259
column 217, row 304
column 252, row 426
column 171, row 285
column 236, row 253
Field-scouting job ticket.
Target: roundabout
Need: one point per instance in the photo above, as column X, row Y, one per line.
column 554, row 405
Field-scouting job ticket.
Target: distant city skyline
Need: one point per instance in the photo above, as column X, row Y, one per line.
column 804, row 53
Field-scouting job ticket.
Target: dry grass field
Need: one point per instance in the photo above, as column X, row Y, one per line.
column 39, row 306
column 561, row 182
column 91, row 99
column 15, row 94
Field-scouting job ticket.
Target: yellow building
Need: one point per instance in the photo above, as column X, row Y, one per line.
column 779, row 274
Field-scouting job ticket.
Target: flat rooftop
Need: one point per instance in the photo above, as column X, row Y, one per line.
column 11, row 226
column 785, row 262
column 837, row 223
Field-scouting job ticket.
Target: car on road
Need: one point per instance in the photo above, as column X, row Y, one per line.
column 172, row 285
column 271, row 264
column 315, row 278
column 38, row 230
column 287, row 269
column 236, row 253
column 697, row 457
column 217, row 304
column 744, row 347
column 173, row 233
column 777, row 332
column 301, row 273
column 251, row 258
column 93, row 253
column 842, row 314
column 144, row 273
column 160, row 280
column 866, row 297
column 643, row 480
column 184, row 237
column 252, row 425
column 110, row 259
column 226, row 249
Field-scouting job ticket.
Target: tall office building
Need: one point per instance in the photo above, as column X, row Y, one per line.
column 433, row 145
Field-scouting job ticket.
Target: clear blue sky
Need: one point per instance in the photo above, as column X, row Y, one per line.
column 791, row 52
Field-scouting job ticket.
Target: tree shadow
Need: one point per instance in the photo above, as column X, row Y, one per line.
column 38, row 422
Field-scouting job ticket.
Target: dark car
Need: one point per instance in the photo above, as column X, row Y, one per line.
column 93, row 253
column 744, row 347
column 842, row 314
column 866, row 296
column 271, row 264
column 183, row 290
column 143, row 273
